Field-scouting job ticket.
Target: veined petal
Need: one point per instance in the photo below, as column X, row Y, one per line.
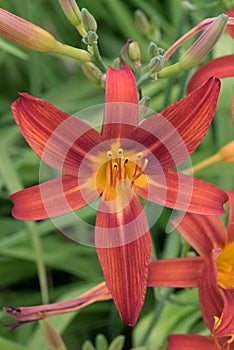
column 32, row 313
column 52, row 198
column 121, row 105
column 59, row 139
column 210, row 295
column 123, row 246
column 178, row 272
column 203, row 233
column 230, row 27
column 226, row 326
column 221, row 67
column 190, row 342
column 184, row 124
column 181, row 192
column 230, row 227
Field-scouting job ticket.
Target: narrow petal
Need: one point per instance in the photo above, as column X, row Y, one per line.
column 230, row 227
column 230, row 27
column 222, row 67
column 184, row 124
column 123, row 246
column 210, row 295
column 203, row 233
column 190, row 342
column 121, row 103
column 59, row 139
column 32, row 313
column 52, row 198
column 181, row 192
column 178, row 272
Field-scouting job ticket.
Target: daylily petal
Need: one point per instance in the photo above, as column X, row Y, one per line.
column 210, row 295
column 181, row 192
column 121, row 105
column 190, row 342
column 178, row 272
column 52, row 198
column 32, row 313
column 184, row 124
column 230, row 226
column 230, row 28
column 222, row 67
column 59, row 139
column 226, row 326
column 203, row 233
column 123, row 246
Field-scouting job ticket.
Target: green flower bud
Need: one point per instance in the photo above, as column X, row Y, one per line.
column 92, row 72
column 134, row 53
column 153, row 49
column 88, row 20
column 142, row 22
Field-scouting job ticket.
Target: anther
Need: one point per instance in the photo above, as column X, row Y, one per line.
column 139, row 156
column 109, row 154
column 120, row 152
column 144, row 165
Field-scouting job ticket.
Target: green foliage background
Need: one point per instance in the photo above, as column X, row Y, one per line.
column 26, row 248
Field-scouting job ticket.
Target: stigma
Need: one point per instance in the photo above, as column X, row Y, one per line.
column 121, row 168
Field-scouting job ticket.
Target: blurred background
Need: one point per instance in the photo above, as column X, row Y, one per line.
column 26, row 249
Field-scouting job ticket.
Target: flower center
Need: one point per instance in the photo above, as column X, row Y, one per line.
column 225, row 266
column 117, row 170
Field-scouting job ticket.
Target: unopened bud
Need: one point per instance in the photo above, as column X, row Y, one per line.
column 153, row 50
column 24, row 33
column 134, row 53
column 142, row 22
column 88, row 20
column 88, row 346
column 117, row 343
column 226, row 153
column 92, row 72
column 101, row 342
column 53, row 339
column 156, row 63
column 204, row 44
column 73, row 14
column 91, row 38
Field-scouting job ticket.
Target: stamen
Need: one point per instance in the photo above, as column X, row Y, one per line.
column 115, row 174
column 141, row 170
column 125, row 163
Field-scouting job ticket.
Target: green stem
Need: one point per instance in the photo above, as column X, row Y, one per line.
column 73, row 52
column 97, row 58
column 14, row 184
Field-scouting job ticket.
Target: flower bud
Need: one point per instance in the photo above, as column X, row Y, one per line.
column 142, row 22
column 226, row 153
column 24, row 33
column 153, row 50
column 134, row 53
column 73, row 14
column 204, row 44
column 117, row 343
column 101, row 342
column 92, row 72
column 156, row 63
column 88, row 20
column 91, row 38
column 88, row 345
column 116, row 63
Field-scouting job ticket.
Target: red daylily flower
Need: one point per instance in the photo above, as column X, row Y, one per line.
column 212, row 271
column 123, row 161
